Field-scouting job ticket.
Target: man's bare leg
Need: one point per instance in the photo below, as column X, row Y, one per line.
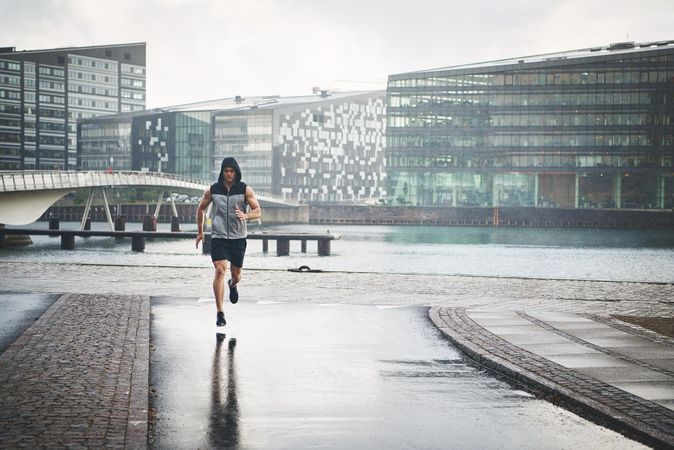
column 236, row 275
column 219, row 283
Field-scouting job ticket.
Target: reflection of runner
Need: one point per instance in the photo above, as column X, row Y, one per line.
column 223, row 429
column 229, row 196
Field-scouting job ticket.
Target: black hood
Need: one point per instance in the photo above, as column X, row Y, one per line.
column 229, row 162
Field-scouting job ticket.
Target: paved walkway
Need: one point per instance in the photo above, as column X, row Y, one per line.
column 621, row 374
column 78, row 377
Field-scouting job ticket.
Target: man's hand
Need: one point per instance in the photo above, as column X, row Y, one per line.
column 200, row 237
column 240, row 214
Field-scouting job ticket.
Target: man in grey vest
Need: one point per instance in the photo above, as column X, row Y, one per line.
column 229, row 196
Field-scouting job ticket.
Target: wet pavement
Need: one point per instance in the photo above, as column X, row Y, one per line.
column 284, row 375
column 617, row 372
column 631, row 363
column 598, row 297
column 18, row 312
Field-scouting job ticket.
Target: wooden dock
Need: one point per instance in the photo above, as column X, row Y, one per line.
column 138, row 238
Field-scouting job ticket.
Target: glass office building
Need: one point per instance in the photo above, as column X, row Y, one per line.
column 108, row 145
column 327, row 147
column 44, row 92
column 168, row 141
column 323, row 147
column 590, row 128
column 247, row 136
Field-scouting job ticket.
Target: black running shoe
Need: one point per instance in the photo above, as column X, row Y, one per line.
column 233, row 292
column 221, row 319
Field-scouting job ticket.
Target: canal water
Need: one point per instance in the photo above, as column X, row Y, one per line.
column 584, row 254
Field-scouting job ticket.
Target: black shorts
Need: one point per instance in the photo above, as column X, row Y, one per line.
column 233, row 250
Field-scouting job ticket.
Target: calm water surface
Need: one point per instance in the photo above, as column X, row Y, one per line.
column 589, row 254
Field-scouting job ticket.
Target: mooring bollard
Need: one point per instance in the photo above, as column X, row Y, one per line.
column 175, row 224
column 304, row 245
column 265, row 245
column 137, row 243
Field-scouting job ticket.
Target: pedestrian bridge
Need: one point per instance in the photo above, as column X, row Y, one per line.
column 26, row 195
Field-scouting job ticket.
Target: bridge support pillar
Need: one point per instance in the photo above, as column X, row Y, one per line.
column 137, row 243
column 54, row 225
column 206, row 244
column 265, row 245
column 87, row 224
column 149, row 223
column 120, row 223
column 67, row 241
column 323, row 247
column 175, row 223
column 282, row 247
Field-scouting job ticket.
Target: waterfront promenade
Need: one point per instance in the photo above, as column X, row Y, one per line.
column 78, row 376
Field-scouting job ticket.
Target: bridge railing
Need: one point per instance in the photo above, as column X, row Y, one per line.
column 40, row 180
column 12, row 181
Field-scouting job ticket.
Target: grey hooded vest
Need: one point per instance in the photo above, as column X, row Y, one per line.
column 225, row 224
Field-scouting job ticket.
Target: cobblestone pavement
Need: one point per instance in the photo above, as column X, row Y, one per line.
column 78, row 377
column 588, row 381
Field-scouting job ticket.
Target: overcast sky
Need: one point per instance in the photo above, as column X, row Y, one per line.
column 208, row 49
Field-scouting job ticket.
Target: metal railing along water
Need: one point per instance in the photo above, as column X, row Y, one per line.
column 12, row 181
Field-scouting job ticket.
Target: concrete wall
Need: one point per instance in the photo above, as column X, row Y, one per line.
column 285, row 215
column 402, row 215
column 514, row 217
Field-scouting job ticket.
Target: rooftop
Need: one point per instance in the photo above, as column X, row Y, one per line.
column 262, row 102
column 612, row 49
column 268, row 102
column 13, row 51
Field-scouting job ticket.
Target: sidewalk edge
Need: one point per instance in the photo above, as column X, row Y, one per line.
column 593, row 410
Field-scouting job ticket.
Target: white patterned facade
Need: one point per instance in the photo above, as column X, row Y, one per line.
column 332, row 151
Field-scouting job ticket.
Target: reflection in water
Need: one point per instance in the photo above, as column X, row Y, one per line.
column 224, row 417
column 542, row 237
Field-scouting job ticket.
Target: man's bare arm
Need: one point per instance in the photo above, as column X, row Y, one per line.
column 255, row 210
column 201, row 212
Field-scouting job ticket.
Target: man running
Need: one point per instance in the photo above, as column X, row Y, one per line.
column 228, row 229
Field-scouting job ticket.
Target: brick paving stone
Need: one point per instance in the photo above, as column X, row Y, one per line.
column 638, row 418
column 78, row 377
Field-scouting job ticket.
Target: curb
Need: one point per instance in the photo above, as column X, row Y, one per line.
column 639, row 419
